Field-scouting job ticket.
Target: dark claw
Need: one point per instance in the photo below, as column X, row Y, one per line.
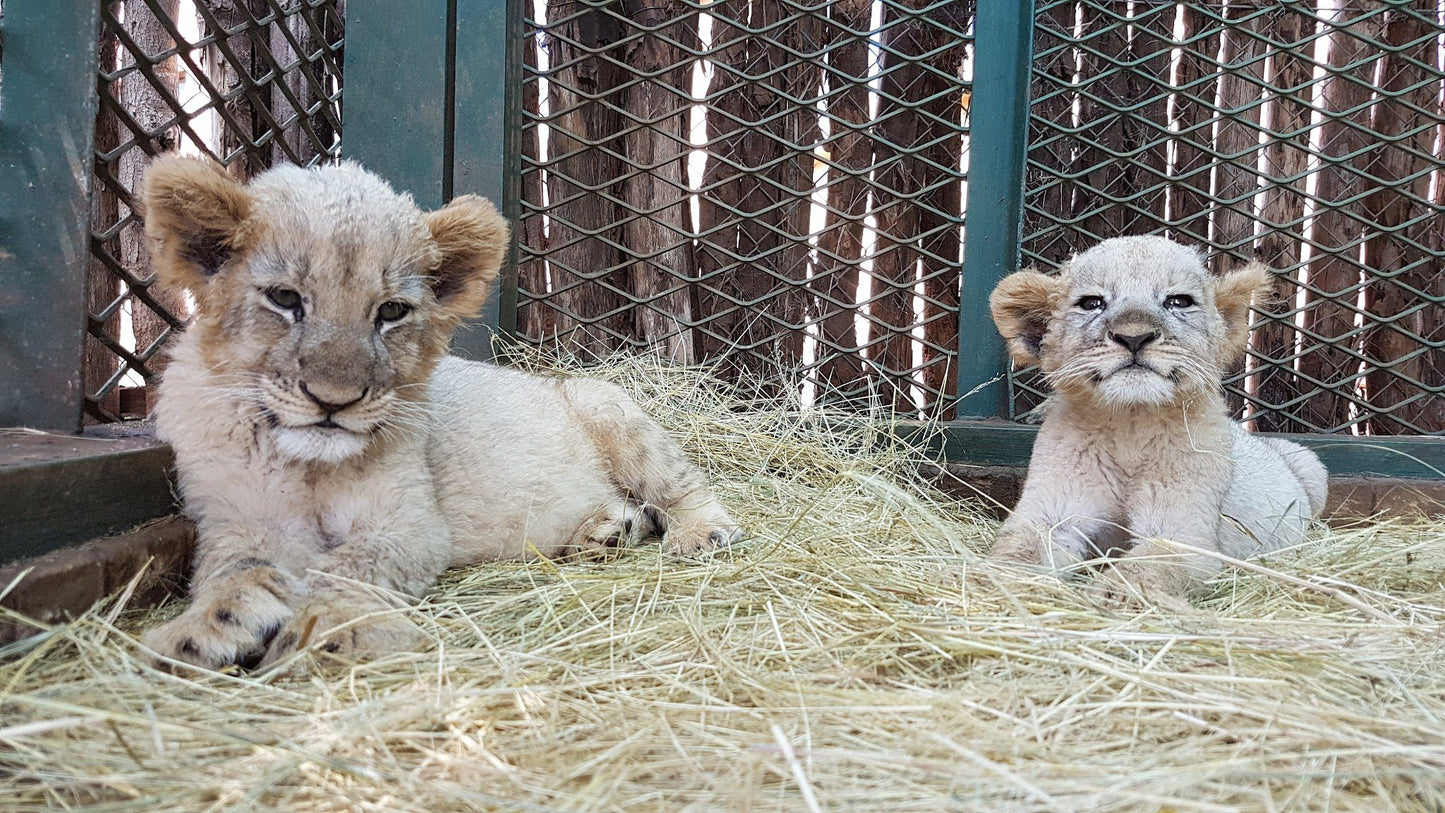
column 724, row 539
column 269, row 633
column 655, row 519
column 252, row 659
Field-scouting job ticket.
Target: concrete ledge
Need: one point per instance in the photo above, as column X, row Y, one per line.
column 65, row 583
column 58, row 490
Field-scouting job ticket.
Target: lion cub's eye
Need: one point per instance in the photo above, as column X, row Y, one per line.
column 1090, row 303
column 1176, row 301
column 392, row 311
column 284, row 298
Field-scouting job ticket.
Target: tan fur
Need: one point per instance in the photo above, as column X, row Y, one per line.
column 1137, row 451
column 335, row 460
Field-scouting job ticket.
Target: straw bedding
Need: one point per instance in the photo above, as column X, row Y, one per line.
column 854, row 653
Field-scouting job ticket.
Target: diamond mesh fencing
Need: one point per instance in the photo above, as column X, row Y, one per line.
column 250, row 83
column 1309, row 135
column 773, row 187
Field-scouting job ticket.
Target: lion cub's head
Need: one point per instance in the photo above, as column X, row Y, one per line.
column 1133, row 320
column 324, row 298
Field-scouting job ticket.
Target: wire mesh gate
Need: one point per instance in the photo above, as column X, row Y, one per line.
column 775, row 187
column 779, row 185
column 250, row 83
column 1306, row 134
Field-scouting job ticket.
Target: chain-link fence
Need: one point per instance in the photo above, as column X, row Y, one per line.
column 1309, row 134
column 777, row 186
column 773, row 186
column 250, row 83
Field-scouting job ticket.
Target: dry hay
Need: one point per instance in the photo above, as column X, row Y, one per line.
column 855, row 653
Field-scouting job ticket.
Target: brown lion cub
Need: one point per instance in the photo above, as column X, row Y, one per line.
column 326, row 444
column 1137, row 446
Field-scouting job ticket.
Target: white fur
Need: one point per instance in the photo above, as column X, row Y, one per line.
column 310, row 531
column 1136, row 450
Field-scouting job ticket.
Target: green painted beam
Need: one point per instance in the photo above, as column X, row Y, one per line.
column 993, row 224
column 487, row 141
column 47, row 136
column 1000, row 443
column 396, row 99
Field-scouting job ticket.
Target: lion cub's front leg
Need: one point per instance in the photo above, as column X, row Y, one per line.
column 233, row 616
column 345, row 620
column 359, row 588
column 1068, row 511
column 1175, row 525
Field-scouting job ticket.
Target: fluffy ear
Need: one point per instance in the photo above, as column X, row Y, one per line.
column 473, row 241
column 1232, row 294
column 1021, row 306
column 195, row 217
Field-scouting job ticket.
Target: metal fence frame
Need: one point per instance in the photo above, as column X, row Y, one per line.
column 448, row 125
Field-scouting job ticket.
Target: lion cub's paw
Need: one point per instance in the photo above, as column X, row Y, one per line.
column 331, row 627
column 620, row 525
column 216, row 632
column 1140, row 584
column 701, row 532
column 1016, row 549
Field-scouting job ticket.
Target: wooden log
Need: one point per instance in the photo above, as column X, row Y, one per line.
column 1053, row 193
column 658, row 235
column 151, row 103
column 752, row 254
column 1329, row 364
column 536, row 319
column 1191, row 112
column 586, row 96
column 1402, row 266
column 917, row 149
column 1282, row 216
column 102, row 286
column 839, row 370
column 231, row 63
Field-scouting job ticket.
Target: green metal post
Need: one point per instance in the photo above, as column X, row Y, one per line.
column 426, row 107
column 397, row 98
column 47, row 137
column 487, row 139
column 994, row 219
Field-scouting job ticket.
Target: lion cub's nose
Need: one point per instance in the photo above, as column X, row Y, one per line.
column 1136, row 341
column 331, row 397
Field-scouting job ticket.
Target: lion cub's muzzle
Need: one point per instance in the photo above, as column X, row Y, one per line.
column 317, row 420
column 1135, row 332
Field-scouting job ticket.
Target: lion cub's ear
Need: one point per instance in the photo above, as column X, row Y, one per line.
column 195, row 217
column 1021, row 306
column 1232, row 294
column 473, row 240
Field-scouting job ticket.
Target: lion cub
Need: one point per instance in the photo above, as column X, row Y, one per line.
column 1136, row 445
column 326, row 444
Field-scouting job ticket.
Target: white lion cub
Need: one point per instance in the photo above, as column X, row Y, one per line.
column 1136, row 446
column 326, row 444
